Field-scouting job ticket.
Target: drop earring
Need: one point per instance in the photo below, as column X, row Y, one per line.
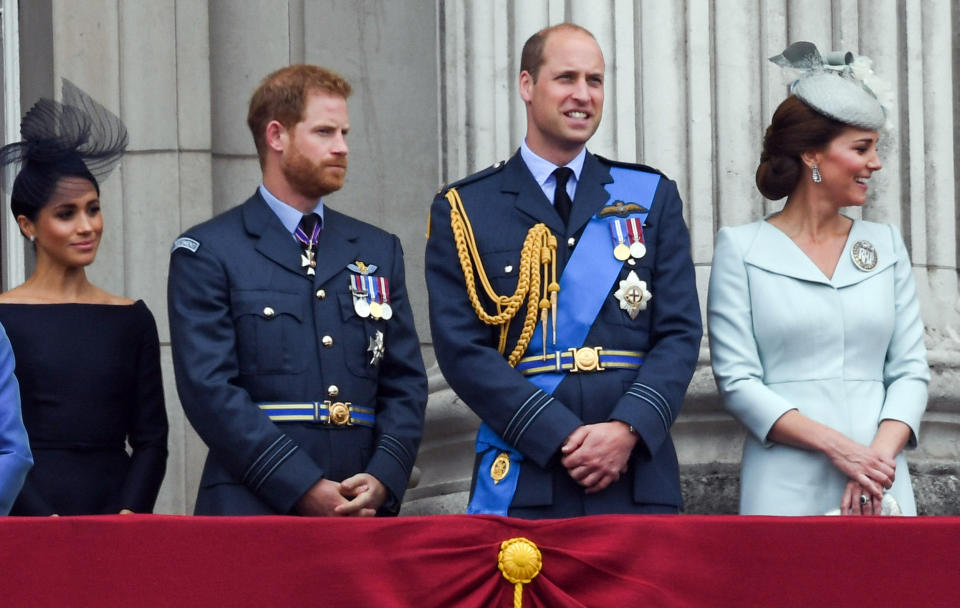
column 33, row 239
column 817, row 178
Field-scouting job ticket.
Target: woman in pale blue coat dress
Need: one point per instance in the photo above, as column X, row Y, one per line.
column 815, row 332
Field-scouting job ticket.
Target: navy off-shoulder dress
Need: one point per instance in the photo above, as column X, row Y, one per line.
column 90, row 386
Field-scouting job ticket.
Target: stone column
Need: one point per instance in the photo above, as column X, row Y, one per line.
column 690, row 91
column 148, row 63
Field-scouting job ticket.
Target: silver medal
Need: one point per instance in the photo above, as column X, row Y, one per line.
column 361, row 306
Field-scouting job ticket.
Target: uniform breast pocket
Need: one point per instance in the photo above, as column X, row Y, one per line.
column 502, row 268
column 361, row 339
column 631, row 288
column 271, row 332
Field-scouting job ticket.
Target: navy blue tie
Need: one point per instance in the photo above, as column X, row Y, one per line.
column 561, row 200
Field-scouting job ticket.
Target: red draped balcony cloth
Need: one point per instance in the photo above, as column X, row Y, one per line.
column 451, row 561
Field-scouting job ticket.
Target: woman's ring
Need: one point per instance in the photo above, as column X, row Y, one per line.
column 863, row 499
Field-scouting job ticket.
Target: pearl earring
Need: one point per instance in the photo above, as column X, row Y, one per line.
column 33, row 238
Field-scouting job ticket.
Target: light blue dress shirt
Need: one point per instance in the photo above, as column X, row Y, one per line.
column 543, row 169
column 289, row 216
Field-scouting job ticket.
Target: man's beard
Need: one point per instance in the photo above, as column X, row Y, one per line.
column 308, row 178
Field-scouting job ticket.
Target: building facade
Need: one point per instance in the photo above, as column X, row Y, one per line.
column 689, row 90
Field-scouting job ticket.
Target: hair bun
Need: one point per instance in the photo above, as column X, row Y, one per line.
column 778, row 175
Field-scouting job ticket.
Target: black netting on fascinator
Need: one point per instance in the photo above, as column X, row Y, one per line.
column 77, row 137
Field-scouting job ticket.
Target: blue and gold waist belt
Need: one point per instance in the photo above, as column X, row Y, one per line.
column 337, row 413
column 584, row 359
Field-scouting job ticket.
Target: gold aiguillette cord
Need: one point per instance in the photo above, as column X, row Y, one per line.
column 539, row 249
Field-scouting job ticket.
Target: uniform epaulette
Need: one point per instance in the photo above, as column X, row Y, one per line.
column 473, row 177
column 637, row 166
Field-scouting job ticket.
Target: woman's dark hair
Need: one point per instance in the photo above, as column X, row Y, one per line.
column 795, row 128
column 77, row 137
column 36, row 182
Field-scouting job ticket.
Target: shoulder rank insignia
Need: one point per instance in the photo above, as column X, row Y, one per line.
column 624, row 165
column 495, row 167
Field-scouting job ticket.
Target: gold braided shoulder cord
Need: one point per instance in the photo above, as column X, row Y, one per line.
column 538, row 267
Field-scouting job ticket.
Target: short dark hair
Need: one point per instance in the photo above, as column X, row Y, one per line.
column 282, row 96
column 531, row 58
column 795, row 128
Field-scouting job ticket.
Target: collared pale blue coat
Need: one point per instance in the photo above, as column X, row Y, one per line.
column 15, row 456
column 248, row 325
column 503, row 203
column 846, row 351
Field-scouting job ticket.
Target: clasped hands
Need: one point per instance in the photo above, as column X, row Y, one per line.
column 357, row 496
column 869, row 473
column 596, row 455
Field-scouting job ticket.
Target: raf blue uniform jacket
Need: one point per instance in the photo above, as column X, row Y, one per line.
column 15, row 456
column 502, row 204
column 230, row 352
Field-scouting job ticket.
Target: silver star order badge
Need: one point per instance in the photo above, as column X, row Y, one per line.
column 375, row 348
column 633, row 295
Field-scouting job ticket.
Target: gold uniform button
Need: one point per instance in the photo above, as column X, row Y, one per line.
column 321, row 294
column 333, row 390
column 571, row 242
column 327, row 341
column 269, row 312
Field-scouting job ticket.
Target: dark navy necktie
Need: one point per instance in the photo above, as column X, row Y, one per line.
column 561, row 200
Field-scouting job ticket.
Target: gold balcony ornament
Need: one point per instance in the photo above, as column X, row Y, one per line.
column 519, row 562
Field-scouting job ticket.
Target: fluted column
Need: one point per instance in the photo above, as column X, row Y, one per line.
column 689, row 90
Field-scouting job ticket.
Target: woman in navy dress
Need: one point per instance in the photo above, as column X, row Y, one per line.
column 88, row 362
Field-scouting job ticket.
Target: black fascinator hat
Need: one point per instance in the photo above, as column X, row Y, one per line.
column 75, row 138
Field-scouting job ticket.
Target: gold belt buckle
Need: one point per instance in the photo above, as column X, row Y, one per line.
column 586, row 359
column 339, row 413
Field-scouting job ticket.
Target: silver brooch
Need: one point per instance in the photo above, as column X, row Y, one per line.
column 864, row 255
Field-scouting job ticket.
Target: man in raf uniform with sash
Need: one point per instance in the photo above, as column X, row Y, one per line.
column 294, row 346
column 564, row 307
